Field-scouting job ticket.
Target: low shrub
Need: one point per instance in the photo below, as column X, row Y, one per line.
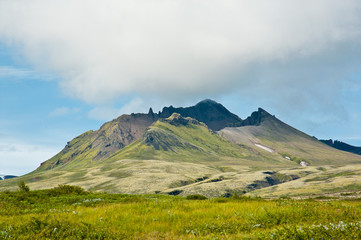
column 23, row 187
column 196, row 197
column 66, row 189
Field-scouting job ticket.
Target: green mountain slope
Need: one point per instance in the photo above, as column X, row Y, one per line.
column 185, row 139
column 94, row 146
column 274, row 135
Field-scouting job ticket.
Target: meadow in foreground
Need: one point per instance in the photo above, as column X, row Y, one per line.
column 69, row 212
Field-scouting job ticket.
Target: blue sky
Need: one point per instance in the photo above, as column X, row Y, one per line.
column 67, row 67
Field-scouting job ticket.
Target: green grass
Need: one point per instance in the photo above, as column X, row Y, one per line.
column 69, row 212
column 325, row 177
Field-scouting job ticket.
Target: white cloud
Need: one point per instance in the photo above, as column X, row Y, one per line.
column 136, row 104
column 171, row 49
column 7, row 72
column 104, row 113
column 107, row 112
column 18, row 158
column 63, row 111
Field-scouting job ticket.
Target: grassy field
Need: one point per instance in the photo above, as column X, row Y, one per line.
column 68, row 212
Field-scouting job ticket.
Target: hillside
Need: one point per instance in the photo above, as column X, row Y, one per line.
column 175, row 155
column 94, row 146
column 262, row 129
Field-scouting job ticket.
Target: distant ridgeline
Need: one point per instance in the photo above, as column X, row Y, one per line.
column 3, row 177
column 342, row 146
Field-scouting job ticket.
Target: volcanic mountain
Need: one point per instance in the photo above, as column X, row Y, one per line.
column 97, row 145
column 203, row 149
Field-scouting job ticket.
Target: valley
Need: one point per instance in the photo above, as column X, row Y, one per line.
column 69, row 212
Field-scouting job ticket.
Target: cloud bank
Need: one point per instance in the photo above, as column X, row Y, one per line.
column 185, row 48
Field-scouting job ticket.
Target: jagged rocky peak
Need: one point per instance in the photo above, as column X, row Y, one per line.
column 176, row 119
column 213, row 114
column 208, row 101
column 256, row 118
column 342, row 146
column 208, row 104
column 151, row 113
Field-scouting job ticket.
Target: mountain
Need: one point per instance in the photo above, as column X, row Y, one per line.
column 342, row 146
column 3, row 177
column 202, row 149
column 93, row 146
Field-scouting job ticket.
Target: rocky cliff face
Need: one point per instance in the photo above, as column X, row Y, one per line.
column 121, row 132
column 255, row 119
column 213, row 114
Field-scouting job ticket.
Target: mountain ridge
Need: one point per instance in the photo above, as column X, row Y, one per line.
column 342, row 146
column 95, row 146
column 124, row 130
column 171, row 153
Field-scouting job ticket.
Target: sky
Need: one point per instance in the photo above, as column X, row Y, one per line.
column 69, row 66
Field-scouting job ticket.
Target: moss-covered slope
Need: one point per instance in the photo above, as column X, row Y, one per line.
column 179, row 138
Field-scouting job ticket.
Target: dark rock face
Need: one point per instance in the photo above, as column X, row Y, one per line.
column 256, row 118
column 111, row 137
column 342, row 146
column 213, row 114
column 121, row 132
column 151, row 113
